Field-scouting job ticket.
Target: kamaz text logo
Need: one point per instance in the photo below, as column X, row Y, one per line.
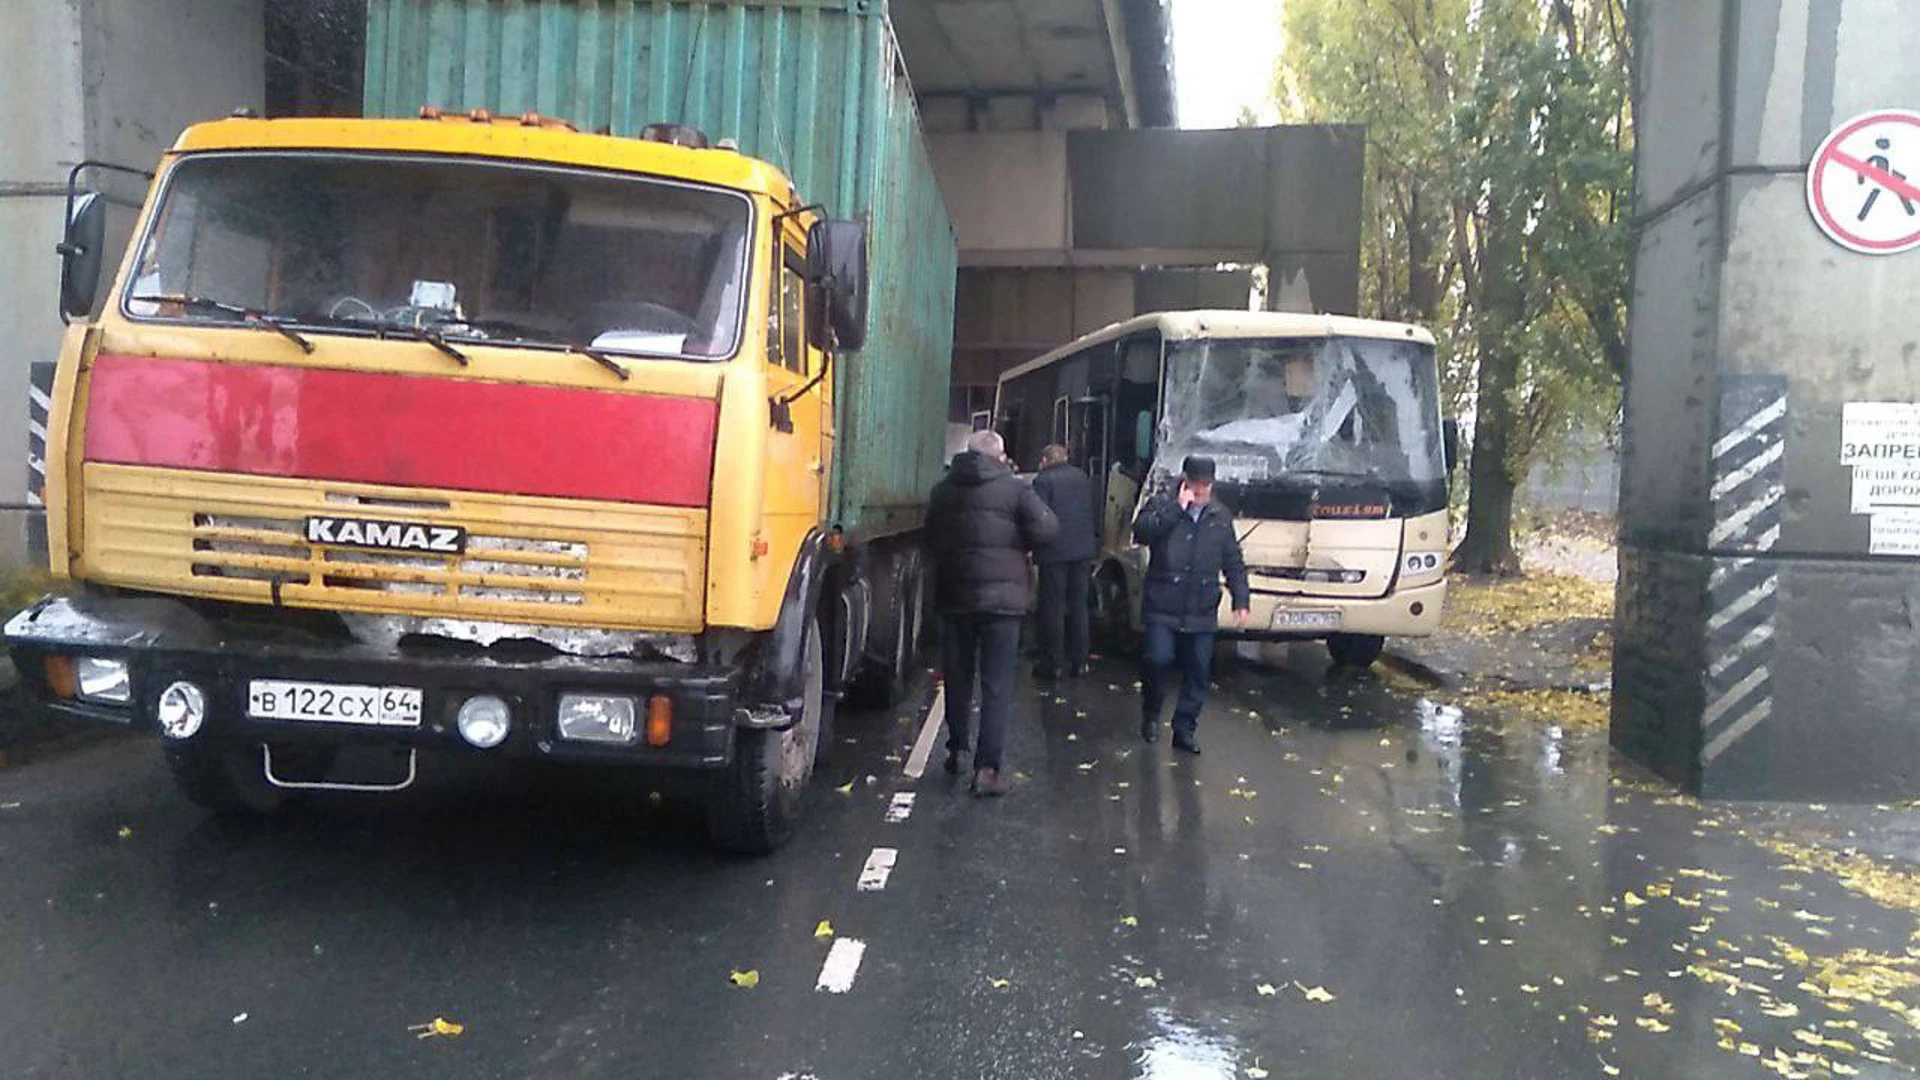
column 387, row 535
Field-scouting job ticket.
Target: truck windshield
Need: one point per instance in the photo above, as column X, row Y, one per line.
column 1270, row 410
column 470, row 250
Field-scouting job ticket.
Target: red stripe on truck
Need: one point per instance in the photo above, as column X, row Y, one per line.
column 410, row 431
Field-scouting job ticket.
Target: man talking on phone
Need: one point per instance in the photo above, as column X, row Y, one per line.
column 1192, row 545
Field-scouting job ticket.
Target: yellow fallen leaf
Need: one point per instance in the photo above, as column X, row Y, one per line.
column 437, row 1028
column 1265, row 990
column 1529, row 988
column 1659, row 888
column 1605, row 1020
column 126, row 832
column 1144, row 982
column 846, row 788
column 1610, row 1070
column 1652, row 1024
column 1255, row 1072
column 1316, row 994
column 998, row 984
column 824, row 930
column 1632, row 899
column 746, row 980
column 1129, row 920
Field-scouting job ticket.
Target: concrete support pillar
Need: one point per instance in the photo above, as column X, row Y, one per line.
column 1767, row 646
column 101, row 80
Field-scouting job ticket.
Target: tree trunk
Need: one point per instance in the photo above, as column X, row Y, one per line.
column 1492, row 474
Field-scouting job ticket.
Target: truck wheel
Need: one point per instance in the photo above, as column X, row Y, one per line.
column 886, row 687
column 757, row 802
column 1355, row 650
column 224, row 777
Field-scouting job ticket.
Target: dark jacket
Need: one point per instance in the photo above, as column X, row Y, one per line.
column 1187, row 562
column 1068, row 492
column 981, row 522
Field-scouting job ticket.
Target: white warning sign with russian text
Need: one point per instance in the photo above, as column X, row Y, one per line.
column 1880, row 442
column 1895, row 532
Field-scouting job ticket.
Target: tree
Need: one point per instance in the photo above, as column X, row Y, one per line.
column 1499, row 150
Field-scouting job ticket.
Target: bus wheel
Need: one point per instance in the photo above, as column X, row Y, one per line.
column 224, row 777
column 757, row 801
column 1111, row 613
column 1355, row 650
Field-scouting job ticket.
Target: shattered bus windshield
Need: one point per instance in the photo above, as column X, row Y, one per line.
column 471, row 250
column 1363, row 409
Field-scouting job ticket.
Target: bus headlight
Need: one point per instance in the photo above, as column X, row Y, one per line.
column 1420, row 563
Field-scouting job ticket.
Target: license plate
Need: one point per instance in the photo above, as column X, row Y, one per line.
column 1305, row 620
column 334, row 703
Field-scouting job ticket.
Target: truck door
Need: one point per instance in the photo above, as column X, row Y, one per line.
column 800, row 447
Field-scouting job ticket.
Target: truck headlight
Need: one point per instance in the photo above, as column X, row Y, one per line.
column 181, row 710
column 484, row 721
column 102, row 680
column 599, row 718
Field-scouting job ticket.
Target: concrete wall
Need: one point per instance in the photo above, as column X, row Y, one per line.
column 1764, row 650
column 111, row 80
column 1286, row 197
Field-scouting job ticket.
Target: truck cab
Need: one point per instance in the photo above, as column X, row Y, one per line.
column 462, row 433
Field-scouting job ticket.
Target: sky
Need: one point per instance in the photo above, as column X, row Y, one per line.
column 1224, row 52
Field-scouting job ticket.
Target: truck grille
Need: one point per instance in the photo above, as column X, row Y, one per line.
column 534, row 560
column 505, row 568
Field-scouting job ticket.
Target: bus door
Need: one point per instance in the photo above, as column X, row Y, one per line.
column 1133, row 420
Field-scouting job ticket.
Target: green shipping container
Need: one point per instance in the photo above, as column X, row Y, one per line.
column 815, row 86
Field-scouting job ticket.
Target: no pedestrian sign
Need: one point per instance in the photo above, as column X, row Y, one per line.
column 1859, row 185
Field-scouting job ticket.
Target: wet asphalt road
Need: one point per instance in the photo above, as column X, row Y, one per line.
column 1351, row 881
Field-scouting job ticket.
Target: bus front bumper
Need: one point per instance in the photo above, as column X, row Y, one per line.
column 1410, row 612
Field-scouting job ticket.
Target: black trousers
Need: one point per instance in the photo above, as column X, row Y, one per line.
column 1164, row 650
column 1063, row 614
column 986, row 647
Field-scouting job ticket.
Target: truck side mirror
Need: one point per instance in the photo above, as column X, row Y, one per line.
column 837, row 265
column 80, row 254
column 1450, row 442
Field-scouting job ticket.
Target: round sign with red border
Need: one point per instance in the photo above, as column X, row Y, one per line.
column 1863, row 185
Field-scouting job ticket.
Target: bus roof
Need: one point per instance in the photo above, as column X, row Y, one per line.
column 1187, row 325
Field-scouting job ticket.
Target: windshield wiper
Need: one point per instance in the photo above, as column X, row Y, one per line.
column 417, row 333
column 247, row 314
column 527, row 332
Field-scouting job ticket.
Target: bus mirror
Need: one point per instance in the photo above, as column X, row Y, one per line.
column 1450, row 442
column 80, row 254
column 837, row 264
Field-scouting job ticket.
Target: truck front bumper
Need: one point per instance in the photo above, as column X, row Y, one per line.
column 163, row 641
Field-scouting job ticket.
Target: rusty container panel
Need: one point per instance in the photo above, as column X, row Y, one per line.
column 816, row 87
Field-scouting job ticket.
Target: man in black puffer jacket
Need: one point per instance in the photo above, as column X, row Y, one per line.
column 981, row 523
column 1066, row 562
column 1191, row 546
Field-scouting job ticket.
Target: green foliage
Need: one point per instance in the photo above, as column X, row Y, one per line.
column 1498, row 180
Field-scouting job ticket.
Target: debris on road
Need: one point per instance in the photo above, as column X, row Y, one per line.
column 746, row 980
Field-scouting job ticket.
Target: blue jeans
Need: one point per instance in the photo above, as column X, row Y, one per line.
column 1165, row 647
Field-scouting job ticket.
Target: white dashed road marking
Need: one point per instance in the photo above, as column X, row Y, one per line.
column 901, row 806
column 873, row 876
column 929, row 730
column 843, row 963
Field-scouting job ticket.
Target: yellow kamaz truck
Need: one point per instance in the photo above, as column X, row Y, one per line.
column 470, row 432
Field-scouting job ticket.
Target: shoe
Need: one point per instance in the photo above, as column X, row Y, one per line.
column 988, row 783
column 1185, row 740
column 1150, row 731
column 953, row 762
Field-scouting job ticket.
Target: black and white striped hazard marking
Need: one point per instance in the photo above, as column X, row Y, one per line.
column 1742, row 591
column 39, row 405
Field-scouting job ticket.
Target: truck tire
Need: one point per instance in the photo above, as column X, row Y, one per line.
column 885, row 687
column 757, row 800
column 1355, row 650
column 224, row 777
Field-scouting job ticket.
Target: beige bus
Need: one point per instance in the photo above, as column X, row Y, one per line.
column 1329, row 445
